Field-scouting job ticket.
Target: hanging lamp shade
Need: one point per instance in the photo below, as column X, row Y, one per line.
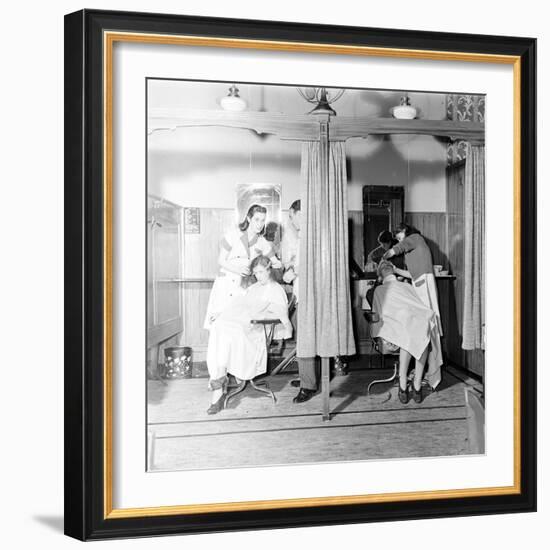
column 405, row 110
column 233, row 101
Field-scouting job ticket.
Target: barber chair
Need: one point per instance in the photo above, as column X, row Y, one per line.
column 383, row 348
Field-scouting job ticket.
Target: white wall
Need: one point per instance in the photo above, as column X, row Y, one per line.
column 31, row 462
column 201, row 166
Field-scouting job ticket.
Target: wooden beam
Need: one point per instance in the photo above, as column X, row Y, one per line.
column 286, row 127
column 307, row 127
column 343, row 128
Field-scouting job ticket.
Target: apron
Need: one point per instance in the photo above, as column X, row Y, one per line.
column 426, row 289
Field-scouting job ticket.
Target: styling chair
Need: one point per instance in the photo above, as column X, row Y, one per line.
column 383, row 348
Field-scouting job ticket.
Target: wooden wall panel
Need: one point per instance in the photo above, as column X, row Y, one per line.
column 196, row 297
column 200, row 261
column 200, row 250
column 433, row 226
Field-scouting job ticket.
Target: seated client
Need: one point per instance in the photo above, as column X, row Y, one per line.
column 238, row 347
column 408, row 324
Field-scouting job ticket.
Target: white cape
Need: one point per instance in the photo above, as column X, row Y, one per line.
column 406, row 322
column 236, row 345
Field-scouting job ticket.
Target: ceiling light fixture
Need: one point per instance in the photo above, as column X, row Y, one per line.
column 323, row 98
column 405, row 110
column 233, row 101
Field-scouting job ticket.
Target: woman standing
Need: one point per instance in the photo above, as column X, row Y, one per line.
column 420, row 266
column 238, row 248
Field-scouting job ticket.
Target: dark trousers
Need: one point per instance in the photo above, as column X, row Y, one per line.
column 309, row 368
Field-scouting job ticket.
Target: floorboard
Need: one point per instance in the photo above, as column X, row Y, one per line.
column 253, row 431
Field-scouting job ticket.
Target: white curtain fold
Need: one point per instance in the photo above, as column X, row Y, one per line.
column 324, row 314
column 474, row 249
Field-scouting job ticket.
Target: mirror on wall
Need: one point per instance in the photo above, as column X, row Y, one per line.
column 267, row 195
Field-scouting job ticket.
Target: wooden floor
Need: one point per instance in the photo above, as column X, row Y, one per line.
column 253, row 431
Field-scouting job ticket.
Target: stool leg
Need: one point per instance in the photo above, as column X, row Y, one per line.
column 237, row 390
column 284, row 363
column 390, row 379
column 266, row 391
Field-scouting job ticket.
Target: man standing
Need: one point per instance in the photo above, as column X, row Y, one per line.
column 308, row 367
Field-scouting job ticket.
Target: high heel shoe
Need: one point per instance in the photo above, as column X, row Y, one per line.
column 403, row 395
column 216, row 407
column 416, row 394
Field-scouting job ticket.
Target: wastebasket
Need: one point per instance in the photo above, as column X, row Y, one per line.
column 178, row 362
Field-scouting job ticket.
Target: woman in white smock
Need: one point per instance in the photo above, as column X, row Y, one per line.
column 239, row 246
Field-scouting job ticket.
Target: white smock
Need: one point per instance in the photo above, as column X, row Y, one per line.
column 240, row 252
column 236, row 345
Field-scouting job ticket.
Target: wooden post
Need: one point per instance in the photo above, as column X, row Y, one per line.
column 324, row 164
column 325, row 386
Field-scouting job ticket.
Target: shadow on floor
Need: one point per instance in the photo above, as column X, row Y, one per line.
column 55, row 523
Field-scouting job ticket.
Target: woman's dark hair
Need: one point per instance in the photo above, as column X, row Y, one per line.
column 243, row 226
column 385, row 237
column 296, row 206
column 263, row 261
column 407, row 229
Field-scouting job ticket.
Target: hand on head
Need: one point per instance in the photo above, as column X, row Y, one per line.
column 385, row 268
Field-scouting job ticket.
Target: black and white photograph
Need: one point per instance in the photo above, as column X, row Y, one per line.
column 315, row 266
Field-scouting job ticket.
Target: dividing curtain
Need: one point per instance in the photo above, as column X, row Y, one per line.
column 324, row 311
column 474, row 249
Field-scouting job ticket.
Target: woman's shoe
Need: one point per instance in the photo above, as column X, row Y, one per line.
column 216, row 407
column 416, row 394
column 403, row 395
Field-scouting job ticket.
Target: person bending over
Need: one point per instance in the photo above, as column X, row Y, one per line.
column 407, row 323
